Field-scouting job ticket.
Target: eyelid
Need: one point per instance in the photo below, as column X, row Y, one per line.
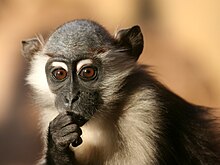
column 81, row 64
column 53, row 68
column 57, row 64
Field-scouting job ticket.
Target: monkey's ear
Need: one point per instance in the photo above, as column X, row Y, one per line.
column 31, row 46
column 132, row 39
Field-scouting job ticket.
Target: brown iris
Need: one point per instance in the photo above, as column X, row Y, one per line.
column 87, row 73
column 59, row 74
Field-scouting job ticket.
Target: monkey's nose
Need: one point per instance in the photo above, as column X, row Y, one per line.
column 69, row 100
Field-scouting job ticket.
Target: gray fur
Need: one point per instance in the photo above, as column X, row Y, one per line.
column 78, row 37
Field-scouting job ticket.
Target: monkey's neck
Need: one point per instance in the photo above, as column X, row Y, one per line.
column 108, row 140
column 99, row 142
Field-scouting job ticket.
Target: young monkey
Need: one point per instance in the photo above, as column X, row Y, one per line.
column 100, row 107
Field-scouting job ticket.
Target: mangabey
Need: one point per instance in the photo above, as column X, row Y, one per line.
column 100, row 107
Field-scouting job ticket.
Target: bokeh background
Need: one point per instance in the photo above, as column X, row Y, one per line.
column 182, row 43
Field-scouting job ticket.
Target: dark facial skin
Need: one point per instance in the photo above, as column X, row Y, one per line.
column 76, row 90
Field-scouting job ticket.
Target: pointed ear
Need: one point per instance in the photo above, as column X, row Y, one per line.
column 31, row 46
column 132, row 39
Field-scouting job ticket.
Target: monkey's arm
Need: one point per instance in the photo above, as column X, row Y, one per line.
column 61, row 133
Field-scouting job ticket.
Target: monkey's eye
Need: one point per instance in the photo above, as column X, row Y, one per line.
column 59, row 74
column 87, row 73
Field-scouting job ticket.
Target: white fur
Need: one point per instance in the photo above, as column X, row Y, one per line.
column 98, row 141
column 38, row 81
column 60, row 64
column 81, row 63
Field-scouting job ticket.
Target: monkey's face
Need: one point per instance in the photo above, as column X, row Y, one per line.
column 85, row 66
column 75, row 83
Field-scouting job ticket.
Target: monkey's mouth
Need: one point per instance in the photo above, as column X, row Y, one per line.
column 72, row 108
column 81, row 106
column 80, row 120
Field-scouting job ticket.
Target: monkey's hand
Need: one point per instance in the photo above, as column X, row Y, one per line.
column 62, row 132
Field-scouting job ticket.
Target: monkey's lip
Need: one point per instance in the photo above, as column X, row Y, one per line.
column 79, row 119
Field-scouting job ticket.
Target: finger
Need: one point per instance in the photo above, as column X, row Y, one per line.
column 61, row 121
column 73, row 128
column 78, row 119
column 65, row 141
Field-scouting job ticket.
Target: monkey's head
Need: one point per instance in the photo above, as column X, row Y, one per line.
column 81, row 67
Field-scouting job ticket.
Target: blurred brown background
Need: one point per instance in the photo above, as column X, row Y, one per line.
column 181, row 42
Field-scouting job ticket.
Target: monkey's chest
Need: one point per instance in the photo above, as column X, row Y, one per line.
column 95, row 147
column 88, row 155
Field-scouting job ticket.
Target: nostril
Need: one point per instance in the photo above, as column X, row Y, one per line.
column 66, row 100
column 75, row 99
column 69, row 100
